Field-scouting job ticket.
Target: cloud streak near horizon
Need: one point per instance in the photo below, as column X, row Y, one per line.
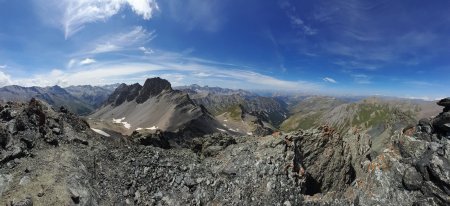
column 176, row 68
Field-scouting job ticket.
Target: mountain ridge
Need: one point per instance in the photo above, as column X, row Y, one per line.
column 154, row 106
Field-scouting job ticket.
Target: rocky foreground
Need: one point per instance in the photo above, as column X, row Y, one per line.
column 52, row 157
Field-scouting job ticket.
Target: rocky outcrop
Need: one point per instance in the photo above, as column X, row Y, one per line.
column 23, row 127
column 307, row 167
column 441, row 123
column 445, row 103
column 36, row 165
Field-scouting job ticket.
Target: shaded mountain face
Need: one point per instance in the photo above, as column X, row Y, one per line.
column 55, row 96
column 151, row 107
column 219, row 101
column 94, row 96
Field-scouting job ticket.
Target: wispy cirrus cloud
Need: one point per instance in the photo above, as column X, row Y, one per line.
column 362, row 36
column 296, row 22
column 419, row 83
column 121, row 41
column 330, row 80
column 72, row 16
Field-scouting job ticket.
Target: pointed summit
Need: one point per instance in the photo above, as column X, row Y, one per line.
column 153, row 87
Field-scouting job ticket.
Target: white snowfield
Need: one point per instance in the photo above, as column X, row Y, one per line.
column 126, row 125
column 101, row 132
column 120, row 121
column 148, row 128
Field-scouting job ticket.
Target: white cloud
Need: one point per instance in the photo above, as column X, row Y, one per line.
column 330, row 80
column 144, row 8
column 74, row 15
column 121, row 41
column 87, row 61
column 3, row 66
column 147, row 51
column 4, row 79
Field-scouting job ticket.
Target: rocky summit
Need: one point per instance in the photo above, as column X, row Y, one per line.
column 445, row 103
column 152, row 107
column 52, row 157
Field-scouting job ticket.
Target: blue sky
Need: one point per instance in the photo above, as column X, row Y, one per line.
column 394, row 48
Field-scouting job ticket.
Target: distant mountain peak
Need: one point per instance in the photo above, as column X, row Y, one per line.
column 153, row 87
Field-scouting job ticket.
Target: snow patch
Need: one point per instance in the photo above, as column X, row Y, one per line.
column 120, row 121
column 249, row 133
column 226, row 120
column 137, row 129
column 101, row 132
column 126, row 125
column 152, row 128
column 222, row 130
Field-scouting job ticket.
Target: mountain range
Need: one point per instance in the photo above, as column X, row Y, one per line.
column 81, row 100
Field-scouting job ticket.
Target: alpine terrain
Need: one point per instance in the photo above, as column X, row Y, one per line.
column 153, row 145
column 224, row 103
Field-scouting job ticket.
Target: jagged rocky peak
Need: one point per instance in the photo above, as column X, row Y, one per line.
column 153, row 87
column 124, row 93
